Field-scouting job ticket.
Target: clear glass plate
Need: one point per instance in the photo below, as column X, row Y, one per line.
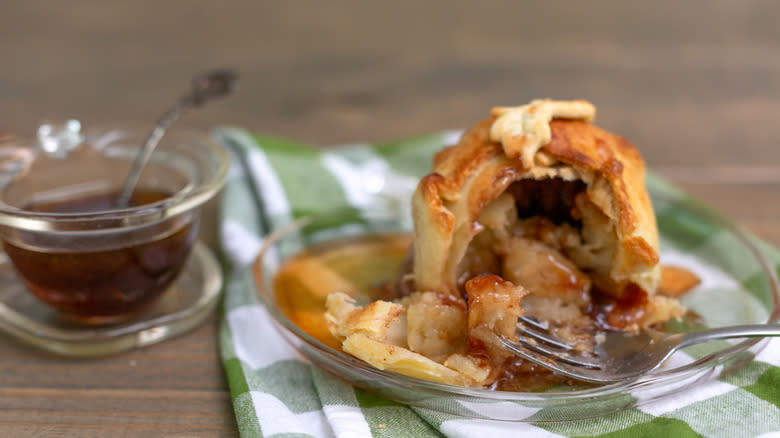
column 740, row 287
column 185, row 305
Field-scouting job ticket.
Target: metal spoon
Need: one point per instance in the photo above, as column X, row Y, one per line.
column 211, row 85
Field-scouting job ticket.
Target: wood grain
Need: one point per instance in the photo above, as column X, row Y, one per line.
column 696, row 87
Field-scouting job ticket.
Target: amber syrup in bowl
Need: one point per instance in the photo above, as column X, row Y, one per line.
column 101, row 281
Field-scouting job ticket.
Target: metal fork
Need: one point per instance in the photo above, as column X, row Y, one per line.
column 621, row 355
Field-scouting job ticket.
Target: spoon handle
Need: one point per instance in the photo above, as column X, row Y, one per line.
column 148, row 147
column 207, row 86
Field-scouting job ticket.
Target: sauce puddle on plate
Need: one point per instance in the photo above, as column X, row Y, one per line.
column 360, row 266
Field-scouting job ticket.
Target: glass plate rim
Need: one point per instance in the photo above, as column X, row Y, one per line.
column 294, row 335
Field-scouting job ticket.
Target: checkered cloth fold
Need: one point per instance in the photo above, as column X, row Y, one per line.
column 276, row 393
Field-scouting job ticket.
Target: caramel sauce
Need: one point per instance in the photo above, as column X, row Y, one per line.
column 611, row 313
column 106, row 286
column 519, row 375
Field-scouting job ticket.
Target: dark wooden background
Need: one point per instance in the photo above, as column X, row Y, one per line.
column 695, row 85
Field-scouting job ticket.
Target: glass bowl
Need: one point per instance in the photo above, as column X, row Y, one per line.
column 73, row 247
column 687, row 239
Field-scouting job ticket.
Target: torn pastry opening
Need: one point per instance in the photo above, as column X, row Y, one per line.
column 548, row 237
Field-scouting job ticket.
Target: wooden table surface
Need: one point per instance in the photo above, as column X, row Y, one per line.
column 695, row 86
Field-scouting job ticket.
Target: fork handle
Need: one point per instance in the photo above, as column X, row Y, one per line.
column 735, row 331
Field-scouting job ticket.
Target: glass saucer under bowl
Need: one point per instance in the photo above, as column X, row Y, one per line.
column 690, row 234
column 186, row 303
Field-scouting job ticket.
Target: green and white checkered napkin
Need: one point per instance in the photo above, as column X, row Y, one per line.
column 276, row 393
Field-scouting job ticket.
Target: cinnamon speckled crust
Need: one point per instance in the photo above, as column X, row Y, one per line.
column 469, row 175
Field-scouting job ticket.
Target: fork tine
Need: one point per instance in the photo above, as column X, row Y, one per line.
column 544, row 337
column 532, row 321
column 533, row 331
column 562, row 355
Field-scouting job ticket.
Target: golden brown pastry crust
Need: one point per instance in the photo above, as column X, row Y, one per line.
column 563, row 212
column 468, row 176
